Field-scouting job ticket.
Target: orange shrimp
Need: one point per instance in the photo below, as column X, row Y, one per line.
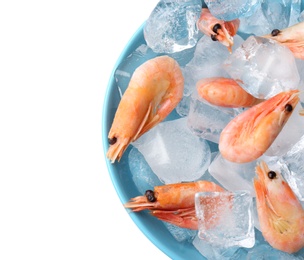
column 292, row 37
column 251, row 133
column 280, row 213
column 218, row 30
column 225, row 92
column 155, row 89
column 173, row 203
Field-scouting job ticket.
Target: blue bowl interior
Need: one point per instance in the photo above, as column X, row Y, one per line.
column 121, row 176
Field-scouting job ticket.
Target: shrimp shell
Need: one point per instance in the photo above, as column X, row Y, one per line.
column 173, row 203
column 251, row 133
column 225, row 92
column 291, row 37
column 155, row 89
column 280, row 213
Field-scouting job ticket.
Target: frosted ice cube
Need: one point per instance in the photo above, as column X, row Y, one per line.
column 258, row 66
column 229, row 10
column 277, row 12
column 225, row 218
column 207, row 61
column 173, row 152
column 233, row 176
column 290, row 134
column 206, row 120
column 142, row 175
column 171, row 26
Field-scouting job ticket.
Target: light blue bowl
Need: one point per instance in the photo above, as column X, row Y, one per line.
column 121, row 176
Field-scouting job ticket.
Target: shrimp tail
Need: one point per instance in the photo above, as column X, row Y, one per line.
column 184, row 218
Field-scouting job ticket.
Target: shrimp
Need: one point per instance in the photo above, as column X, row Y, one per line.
column 225, row 92
column 280, row 213
column 173, row 203
column 155, row 89
column 250, row 134
column 291, row 37
column 218, row 30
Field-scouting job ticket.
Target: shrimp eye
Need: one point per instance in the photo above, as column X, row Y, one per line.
column 150, row 195
column 213, row 37
column 112, row 140
column 272, row 175
column 216, row 27
column 288, row 108
column 275, row 32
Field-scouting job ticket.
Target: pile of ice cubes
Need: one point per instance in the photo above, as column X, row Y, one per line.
column 184, row 147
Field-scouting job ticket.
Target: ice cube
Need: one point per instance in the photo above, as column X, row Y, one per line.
column 142, row 175
column 277, row 12
column 256, row 24
column 290, row 134
column 126, row 68
column 181, row 234
column 265, row 251
column 207, row 61
column 292, row 163
column 295, row 12
column 258, row 66
column 230, row 10
column 173, row 152
column 210, row 252
column 206, row 120
column 233, row 176
column 225, row 218
column 183, row 107
column 171, row 26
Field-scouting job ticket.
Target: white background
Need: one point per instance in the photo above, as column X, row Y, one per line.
column 56, row 197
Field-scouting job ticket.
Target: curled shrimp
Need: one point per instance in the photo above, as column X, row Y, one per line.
column 280, row 213
column 292, row 37
column 251, row 133
column 173, row 203
column 155, row 89
column 218, row 30
column 225, row 92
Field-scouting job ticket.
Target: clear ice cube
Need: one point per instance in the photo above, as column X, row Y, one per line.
column 258, row 66
column 230, row 10
column 207, row 62
column 211, row 252
column 277, row 12
column 295, row 12
column 289, row 135
column 206, row 120
column 256, row 24
column 173, row 152
column 233, row 176
column 171, row 26
column 225, row 218
column 292, row 163
column 142, row 175
column 181, row 234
